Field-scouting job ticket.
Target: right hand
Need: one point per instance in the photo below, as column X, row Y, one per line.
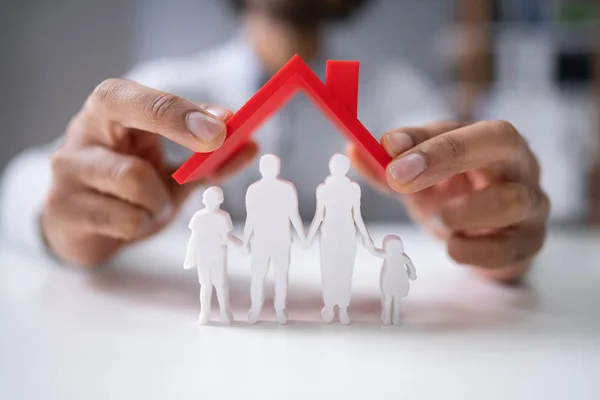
column 187, row 264
column 367, row 243
column 246, row 248
column 110, row 183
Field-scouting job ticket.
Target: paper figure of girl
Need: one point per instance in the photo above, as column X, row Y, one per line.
column 396, row 270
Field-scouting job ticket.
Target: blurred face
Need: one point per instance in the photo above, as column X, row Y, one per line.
column 269, row 166
column 306, row 13
column 339, row 165
column 393, row 245
column 212, row 197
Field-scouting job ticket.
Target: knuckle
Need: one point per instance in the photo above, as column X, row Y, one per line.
column 515, row 202
column 461, row 251
column 532, row 163
column 453, row 147
column 107, row 92
column 508, row 132
column 132, row 224
column 161, row 106
column 137, row 180
column 483, row 253
column 496, row 253
column 55, row 199
column 545, row 204
column 131, row 173
column 60, row 160
column 98, row 217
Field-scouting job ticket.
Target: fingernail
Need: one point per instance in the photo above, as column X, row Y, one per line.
column 203, row 126
column 398, row 143
column 219, row 112
column 408, row 168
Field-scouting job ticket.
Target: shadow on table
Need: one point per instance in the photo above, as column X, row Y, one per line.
column 434, row 315
column 162, row 288
column 457, row 309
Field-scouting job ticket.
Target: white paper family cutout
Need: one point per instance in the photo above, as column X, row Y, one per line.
column 272, row 206
column 338, row 216
column 396, row 270
column 207, row 249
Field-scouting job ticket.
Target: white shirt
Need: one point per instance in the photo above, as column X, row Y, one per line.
column 390, row 96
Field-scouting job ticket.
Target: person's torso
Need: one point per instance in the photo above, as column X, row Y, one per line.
column 208, row 230
column 393, row 276
column 272, row 205
column 338, row 197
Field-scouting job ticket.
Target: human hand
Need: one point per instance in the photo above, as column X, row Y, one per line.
column 110, row 183
column 475, row 186
column 367, row 242
column 246, row 248
column 304, row 243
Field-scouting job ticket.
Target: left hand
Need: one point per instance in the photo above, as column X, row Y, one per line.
column 368, row 244
column 475, row 186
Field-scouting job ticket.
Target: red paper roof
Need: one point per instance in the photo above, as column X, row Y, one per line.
column 337, row 98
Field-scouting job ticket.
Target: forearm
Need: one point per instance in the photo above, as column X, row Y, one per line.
column 233, row 240
column 189, row 255
column 360, row 225
column 314, row 226
column 248, row 229
column 298, row 225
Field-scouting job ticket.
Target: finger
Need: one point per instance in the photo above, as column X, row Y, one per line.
column 396, row 142
column 88, row 212
column 131, row 105
column 497, row 206
column 400, row 140
column 509, row 247
column 122, row 176
column 509, row 274
column 458, row 151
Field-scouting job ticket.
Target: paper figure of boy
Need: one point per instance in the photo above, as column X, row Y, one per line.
column 396, row 270
column 207, row 249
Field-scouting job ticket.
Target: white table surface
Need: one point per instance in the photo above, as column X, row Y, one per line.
column 128, row 331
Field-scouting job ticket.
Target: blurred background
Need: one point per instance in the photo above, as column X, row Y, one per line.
column 535, row 63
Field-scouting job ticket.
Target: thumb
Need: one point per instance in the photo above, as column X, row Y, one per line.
column 199, row 127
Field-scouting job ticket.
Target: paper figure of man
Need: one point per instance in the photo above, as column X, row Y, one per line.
column 271, row 205
column 207, row 250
